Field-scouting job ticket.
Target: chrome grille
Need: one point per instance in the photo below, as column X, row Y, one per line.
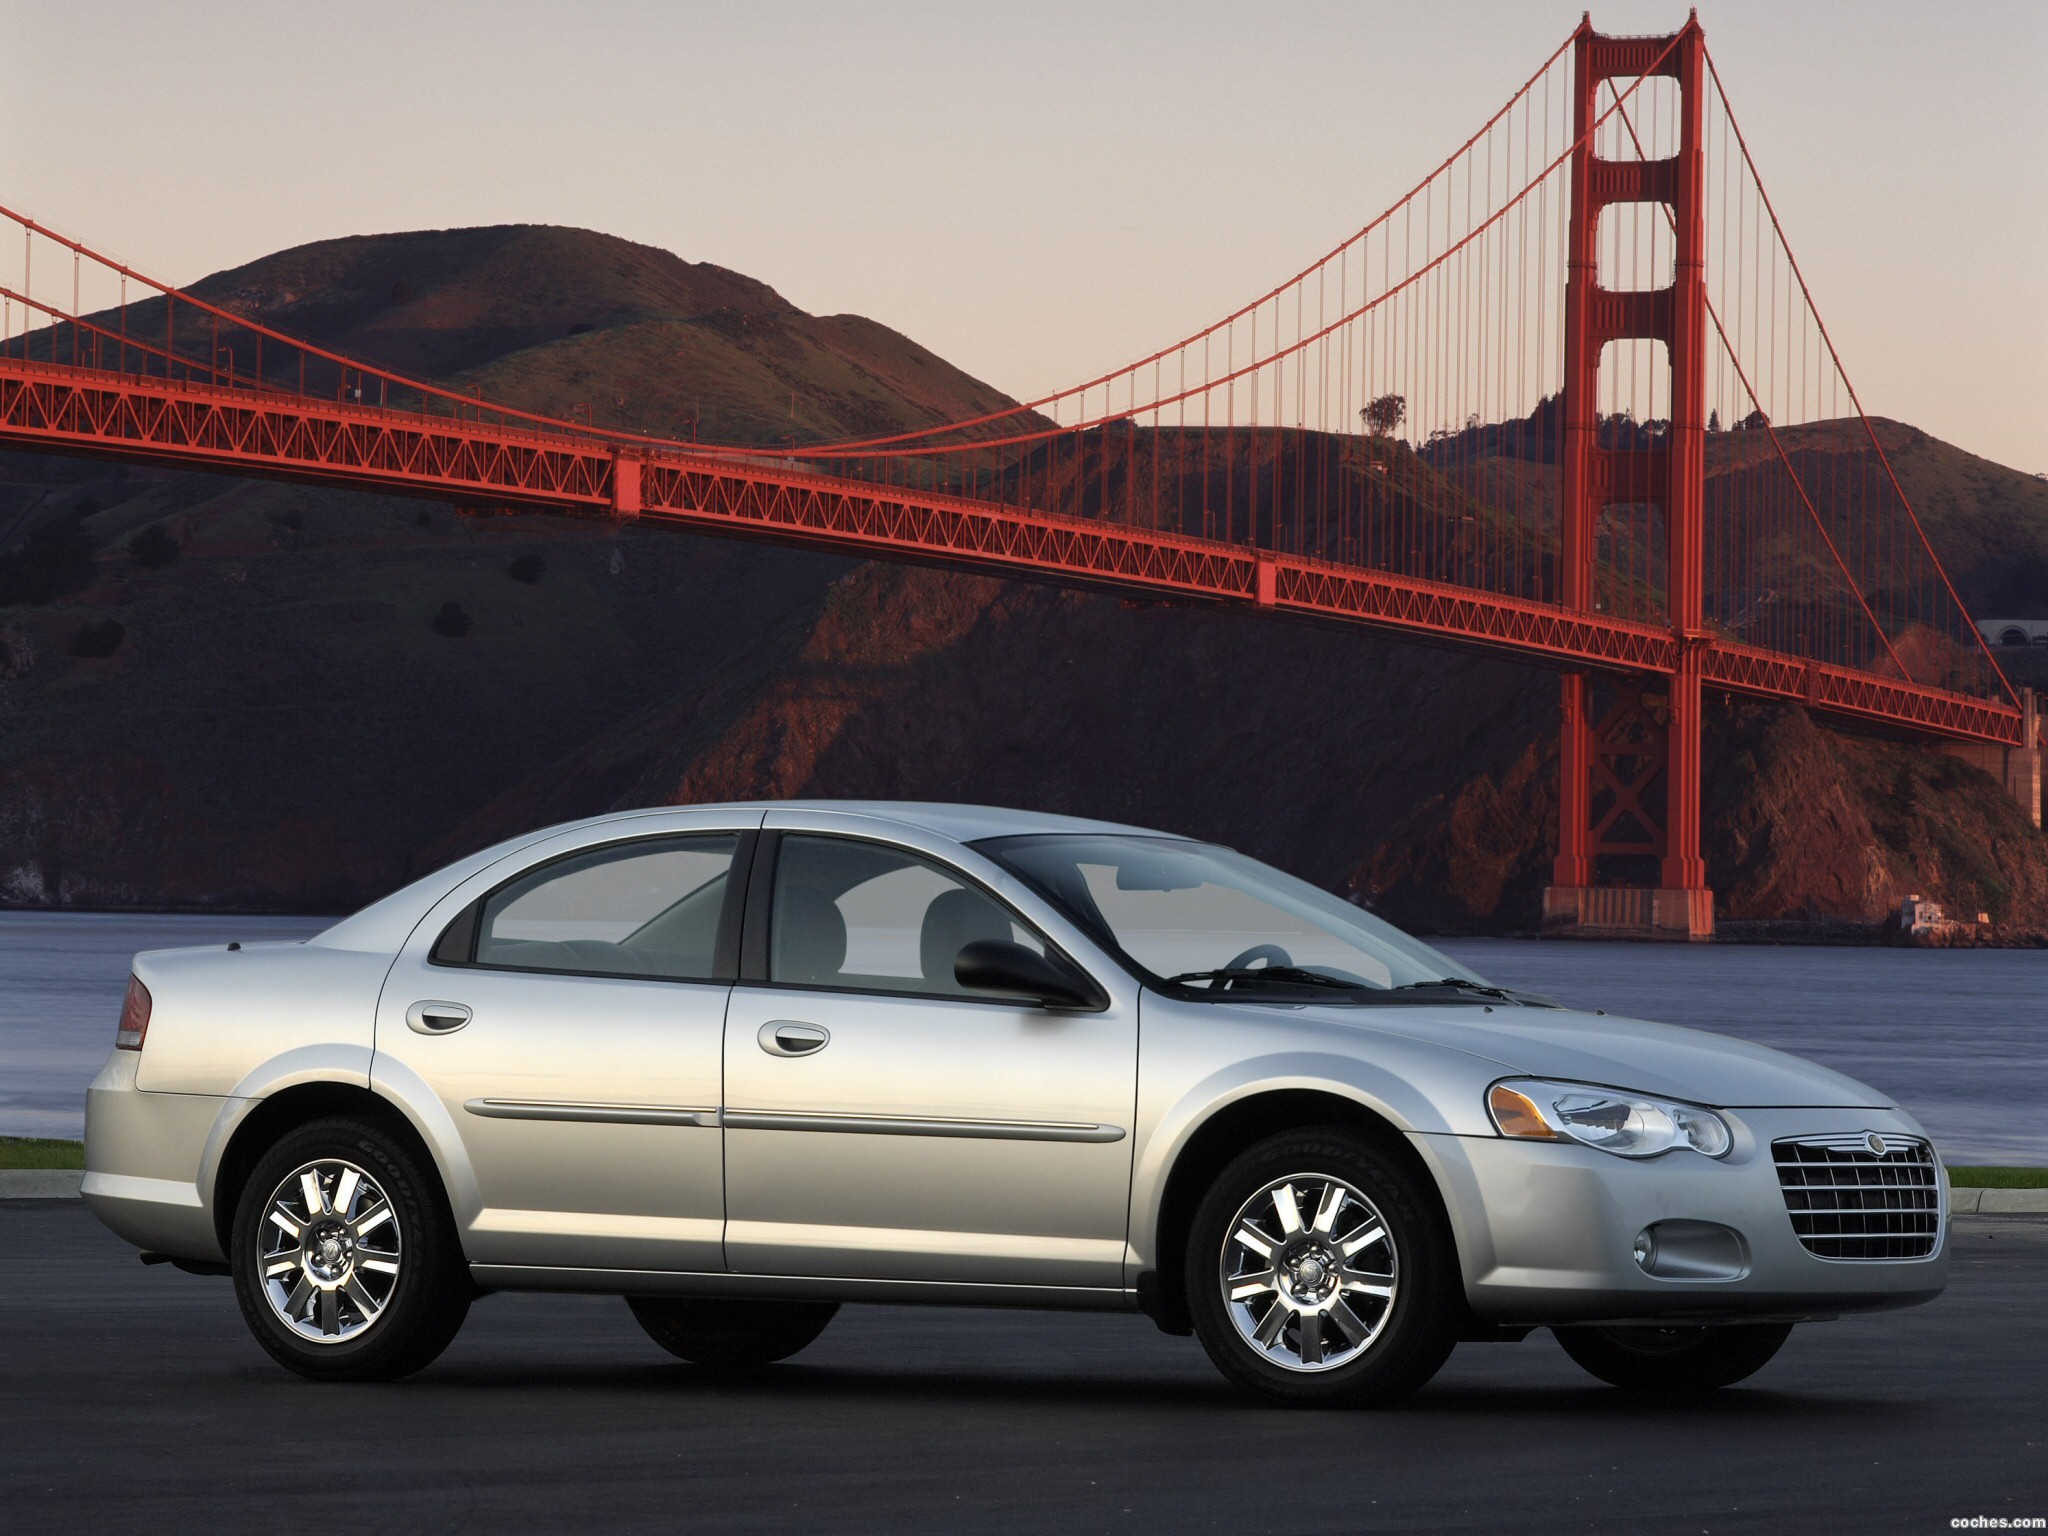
column 1850, row 1202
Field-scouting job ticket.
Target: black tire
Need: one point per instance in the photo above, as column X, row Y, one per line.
column 1411, row 1334
column 425, row 1302
column 731, row 1335
column 1673, row 1360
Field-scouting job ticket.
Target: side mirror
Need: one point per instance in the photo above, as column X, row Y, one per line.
column 996, row 965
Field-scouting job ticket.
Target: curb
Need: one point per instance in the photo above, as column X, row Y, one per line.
column 40, row 1183
column 1997, row 1202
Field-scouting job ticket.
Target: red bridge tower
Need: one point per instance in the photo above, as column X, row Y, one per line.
column 1629, row 750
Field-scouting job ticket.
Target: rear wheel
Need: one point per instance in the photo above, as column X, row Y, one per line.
column 731, row 1335
column 345, row 1261
column 1673, row 1359
column 1319, row 1273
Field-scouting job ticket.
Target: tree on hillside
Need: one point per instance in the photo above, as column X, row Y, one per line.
column 98, row 639
column 153, row 548
column 54, row 560
column 1383, row 415
column 451, row 621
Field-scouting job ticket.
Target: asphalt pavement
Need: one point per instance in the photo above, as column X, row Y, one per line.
column 131, row 1398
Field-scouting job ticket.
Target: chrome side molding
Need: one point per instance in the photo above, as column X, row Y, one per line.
column 899, row 1125
column 601, row 1114
column 768, row 1120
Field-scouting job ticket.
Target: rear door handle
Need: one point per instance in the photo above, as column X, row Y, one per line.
column 436, row 1018
column 787, row 1037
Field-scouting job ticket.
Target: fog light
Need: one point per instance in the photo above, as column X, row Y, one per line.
column 1692, row 1250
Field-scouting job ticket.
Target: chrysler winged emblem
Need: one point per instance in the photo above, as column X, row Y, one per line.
column 1876, row 1144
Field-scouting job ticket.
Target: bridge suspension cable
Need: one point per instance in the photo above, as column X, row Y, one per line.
column 1379, row 438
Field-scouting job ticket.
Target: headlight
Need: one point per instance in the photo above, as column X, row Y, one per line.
column 1626, row 1124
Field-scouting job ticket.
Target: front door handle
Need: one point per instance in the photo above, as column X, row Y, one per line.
column 787, row 1037
column 436, row 1018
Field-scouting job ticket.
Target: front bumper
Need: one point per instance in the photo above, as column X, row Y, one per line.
column 1546, row 1230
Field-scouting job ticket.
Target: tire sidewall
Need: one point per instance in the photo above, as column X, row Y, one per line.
column 431, row 1296
column 1418, row 1336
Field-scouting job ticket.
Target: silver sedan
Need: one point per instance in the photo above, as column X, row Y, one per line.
column 740, row 1064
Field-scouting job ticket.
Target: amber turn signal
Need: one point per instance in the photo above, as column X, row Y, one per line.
column 1516, row 1114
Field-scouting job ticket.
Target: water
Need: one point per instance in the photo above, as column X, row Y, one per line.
column 61, row 979
column 1960, row 1037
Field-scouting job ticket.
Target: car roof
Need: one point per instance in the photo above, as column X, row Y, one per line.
column 961, row 823
column 384, row 924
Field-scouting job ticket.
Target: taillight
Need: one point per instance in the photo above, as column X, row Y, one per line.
column 134, row 1017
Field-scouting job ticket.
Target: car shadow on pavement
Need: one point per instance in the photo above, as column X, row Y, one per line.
column 836, row 1384
column 839, row 1386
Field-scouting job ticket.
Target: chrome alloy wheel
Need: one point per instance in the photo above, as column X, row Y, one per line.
column 330, row 1251
column 1309, row 1272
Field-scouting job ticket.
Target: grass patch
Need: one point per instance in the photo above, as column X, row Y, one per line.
column 1998, row 1178
column 40, row 1152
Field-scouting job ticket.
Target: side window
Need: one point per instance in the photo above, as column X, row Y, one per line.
column 647, row 908
column 865, row 916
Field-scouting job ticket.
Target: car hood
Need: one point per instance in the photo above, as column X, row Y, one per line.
column 1662, row 1059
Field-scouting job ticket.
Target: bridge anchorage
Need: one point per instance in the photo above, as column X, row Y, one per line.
column 1569, row 400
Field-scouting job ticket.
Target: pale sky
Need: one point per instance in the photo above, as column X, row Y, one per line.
column 1036, row 192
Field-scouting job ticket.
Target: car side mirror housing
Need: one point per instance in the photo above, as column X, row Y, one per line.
column 997, row 965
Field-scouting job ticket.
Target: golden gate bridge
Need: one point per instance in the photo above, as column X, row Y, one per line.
column 1570, row 399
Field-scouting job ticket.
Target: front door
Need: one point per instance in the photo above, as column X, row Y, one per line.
column 570, row 1026
column 882, row 1122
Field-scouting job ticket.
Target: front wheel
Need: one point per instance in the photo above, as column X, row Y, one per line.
column 1319, row 1273
column 1673, row 1359
column 729, row 1334
column 346, row 1263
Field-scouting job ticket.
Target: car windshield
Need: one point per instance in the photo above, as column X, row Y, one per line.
column 1211, row 921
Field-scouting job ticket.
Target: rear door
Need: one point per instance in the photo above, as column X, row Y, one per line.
column 568, row 1021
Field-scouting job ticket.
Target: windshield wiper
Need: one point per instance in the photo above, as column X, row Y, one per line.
column 1413, row 993
column 1292, row 974
column 1456, row 983
column 1473, row 988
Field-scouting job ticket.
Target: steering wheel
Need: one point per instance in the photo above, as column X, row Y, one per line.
column 1272, row 954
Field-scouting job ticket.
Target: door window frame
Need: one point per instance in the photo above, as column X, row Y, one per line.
column 758, row 927
column 457, row 944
